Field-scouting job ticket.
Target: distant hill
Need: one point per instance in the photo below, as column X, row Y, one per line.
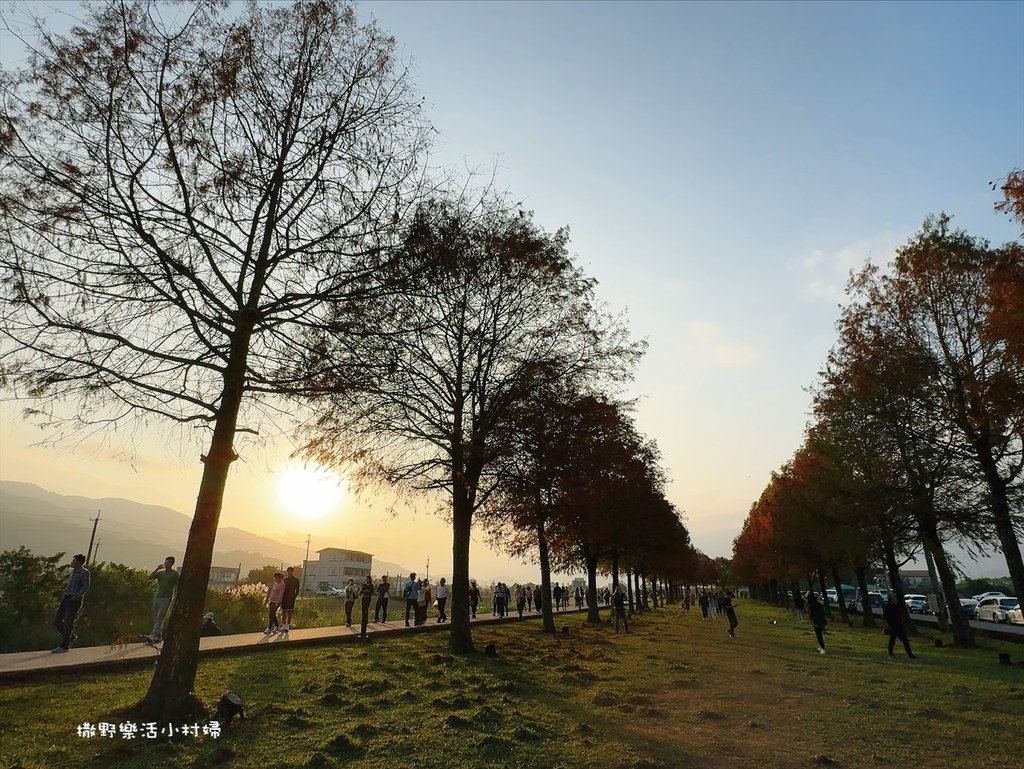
column 129, row 532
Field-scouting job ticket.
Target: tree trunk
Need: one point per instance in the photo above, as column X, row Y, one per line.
column 460, row 639
column 936, row 589
column 963, row 633
column 654, row 591
column 844, row 613
column 593, row 611
column 615, row 568
column 643, row 589
column 773, row 591
column 546, row 612
column 170, row 695
column 1000, row 506
column 866, row 611
column 629, row 589
column 639, row 597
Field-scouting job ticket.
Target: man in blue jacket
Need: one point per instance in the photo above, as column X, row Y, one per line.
column 71, row 603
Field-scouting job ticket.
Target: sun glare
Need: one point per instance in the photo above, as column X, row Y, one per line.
column 309, row 491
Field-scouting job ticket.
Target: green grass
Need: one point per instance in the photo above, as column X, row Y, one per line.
column 675, row 692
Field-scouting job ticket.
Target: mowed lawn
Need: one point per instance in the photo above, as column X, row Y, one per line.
column 675, row 692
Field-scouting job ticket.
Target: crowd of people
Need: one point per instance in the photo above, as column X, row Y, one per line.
column 420, row 596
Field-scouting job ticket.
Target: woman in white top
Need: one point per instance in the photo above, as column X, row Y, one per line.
column 442, row 599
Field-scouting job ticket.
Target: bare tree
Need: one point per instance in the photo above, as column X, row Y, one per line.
column 181, row 200
column 502, row 308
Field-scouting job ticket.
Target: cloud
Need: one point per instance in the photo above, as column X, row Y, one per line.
column 711, row 345
column 824, row 273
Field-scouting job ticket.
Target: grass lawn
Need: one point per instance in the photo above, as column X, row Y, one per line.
column 675, row 692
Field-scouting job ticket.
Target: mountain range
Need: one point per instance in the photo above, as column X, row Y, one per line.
column 129, row 532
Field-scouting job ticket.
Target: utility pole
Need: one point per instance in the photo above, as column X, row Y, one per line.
column 304, row 562
column 95, row 523
column 97, row 553
column 428, row 568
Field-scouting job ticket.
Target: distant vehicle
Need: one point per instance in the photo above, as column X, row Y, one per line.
column 970, row 607
column 324, row 588
column 1014, row 616
column 989, row 594
column 994, row 608
column 916, row 603
column 875, row 601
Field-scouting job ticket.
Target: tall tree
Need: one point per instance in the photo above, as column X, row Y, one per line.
column 182, row 196
column 503, row 309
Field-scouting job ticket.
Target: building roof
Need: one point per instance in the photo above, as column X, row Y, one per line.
column 343, row 550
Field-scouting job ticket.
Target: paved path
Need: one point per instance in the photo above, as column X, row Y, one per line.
column 88, row 658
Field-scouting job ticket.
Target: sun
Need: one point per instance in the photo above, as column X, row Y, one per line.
column 309, row 491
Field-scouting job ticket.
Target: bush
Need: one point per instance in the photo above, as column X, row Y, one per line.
column 30, row 589
column 238, row 610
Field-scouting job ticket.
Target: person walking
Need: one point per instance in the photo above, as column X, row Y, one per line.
column 291, row 592
column 166, row 580
column 538, row 597
column 365, row 597
column 474, row 597
column 713, row 606
column 619, row 608
column 818, row 621
column 894, row 619
column 702, row 601
column 380, row 609
column 730, row 613
column 351, row 593
column 273, row 600
column 423, row 602
column 442, row 600
column 71, row 603
column 520, row 600
column 412, row 596
column 798, row 604
column 529, row 597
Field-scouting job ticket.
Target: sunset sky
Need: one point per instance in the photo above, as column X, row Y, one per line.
column 722, row 166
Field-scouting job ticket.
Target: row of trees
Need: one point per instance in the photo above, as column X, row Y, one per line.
column 917, row 439
column 221, row 218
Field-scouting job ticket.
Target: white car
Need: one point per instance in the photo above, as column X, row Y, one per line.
column 1014, row 616
column 994, row 608
column 989, row 594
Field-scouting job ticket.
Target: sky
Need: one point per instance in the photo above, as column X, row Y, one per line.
column 721, row 167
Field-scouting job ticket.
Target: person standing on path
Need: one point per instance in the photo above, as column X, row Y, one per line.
column 380, row 610
column 474, row 597
column 894, row 619
column 818, row 621
column 291, row 592
column 730, row 612
column 166, row 580
column 442, row 600
column 71, row 603
column 351, row 593
column 520, row 599
column 423, row 604
column 798, row 604
column 412, row 595
column 273, row 601
column 365, row 597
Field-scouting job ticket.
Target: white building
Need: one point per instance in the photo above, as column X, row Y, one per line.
column 335, row 567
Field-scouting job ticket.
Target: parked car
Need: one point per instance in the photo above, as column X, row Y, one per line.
column 994, row 608
column 970, row 607
column 989, row 594
column 1014, row 616
column 875, row 601
column 916, row 603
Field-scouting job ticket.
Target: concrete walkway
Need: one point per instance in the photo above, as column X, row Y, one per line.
column 91, row 658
